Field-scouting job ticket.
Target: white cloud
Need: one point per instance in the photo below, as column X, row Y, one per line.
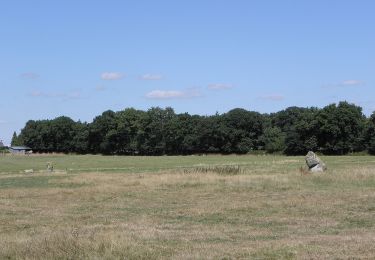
column 351, row 82
column 219, row 86
column 3, row 122
column 29, row 75
column 346, row 83
column 275, row 97
column 112, row 75
column 171, row 94
column 151, row 77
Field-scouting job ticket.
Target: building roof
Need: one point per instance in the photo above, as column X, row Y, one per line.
column 20, row 148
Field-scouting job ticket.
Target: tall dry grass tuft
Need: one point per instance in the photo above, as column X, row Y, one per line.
column 219, row 169
column 304, row 171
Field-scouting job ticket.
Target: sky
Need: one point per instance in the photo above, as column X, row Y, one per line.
column 80, row 58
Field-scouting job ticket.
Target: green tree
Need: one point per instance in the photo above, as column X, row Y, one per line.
column 98, row 140
column 243, row 130
column 180, row 133
column 341, row 128
column 156, row 129
column 16, row 140
column 299, row 127
column 211, row 133
column 31, row 135
column 273, row 139
column 370, row 134
column 80, row 142
column 62, row 131
column 130, row 131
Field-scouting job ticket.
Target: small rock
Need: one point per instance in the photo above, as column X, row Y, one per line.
column 29, row 171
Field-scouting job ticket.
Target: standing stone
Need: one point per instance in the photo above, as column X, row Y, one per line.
column 314, row 163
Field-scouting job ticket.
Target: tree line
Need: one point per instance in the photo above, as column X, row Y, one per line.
column 335, row 129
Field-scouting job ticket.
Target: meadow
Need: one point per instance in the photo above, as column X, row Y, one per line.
column 186, row 207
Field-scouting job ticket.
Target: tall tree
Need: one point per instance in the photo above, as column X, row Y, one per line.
column 273, row 139
column 244, row 130
column 156, row 129
column 16, row 140
column 370, row 134
column 341, row 128
column 130, row 130
column 80, row 141
column 62, row 131
column 31, row 135
column 299, row 127
column 99, row 140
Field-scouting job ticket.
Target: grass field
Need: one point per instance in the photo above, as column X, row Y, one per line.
column 186, row 207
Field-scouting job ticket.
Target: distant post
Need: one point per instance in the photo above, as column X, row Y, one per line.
column 50, row 167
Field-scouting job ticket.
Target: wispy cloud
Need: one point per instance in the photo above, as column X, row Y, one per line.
column 70, row 95
column 3, row 122
column 219, row 86
column 112, row 75
column 275, row 97
column 346, row 83
column 151, row 77
column 352, row 82
column 38, row 93
column 29, row 75
column 173, row 94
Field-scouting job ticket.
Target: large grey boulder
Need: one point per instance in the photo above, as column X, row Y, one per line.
column 314, row 163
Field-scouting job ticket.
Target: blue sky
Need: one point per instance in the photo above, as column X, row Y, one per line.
column 80, row 58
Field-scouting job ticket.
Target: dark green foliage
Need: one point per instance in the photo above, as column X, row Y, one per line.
column 16, row 140
column 334, row 129
column 299, row 126
column 273, row 139
column 181, row 134
column 100, row 135
column 341, row 128
column 370, row 134
column 156, row 130
column 243, row 129
column 80, row 137
column 56, row 135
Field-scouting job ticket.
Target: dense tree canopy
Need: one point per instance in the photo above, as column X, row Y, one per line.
column 370, row 134
column 334, row 129
column 340, row 128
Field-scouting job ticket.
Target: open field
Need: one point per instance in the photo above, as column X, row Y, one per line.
column 186, row 207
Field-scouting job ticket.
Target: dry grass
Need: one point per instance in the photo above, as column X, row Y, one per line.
column 261, row 213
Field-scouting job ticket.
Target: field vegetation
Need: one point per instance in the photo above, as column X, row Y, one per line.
column 186, row 207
